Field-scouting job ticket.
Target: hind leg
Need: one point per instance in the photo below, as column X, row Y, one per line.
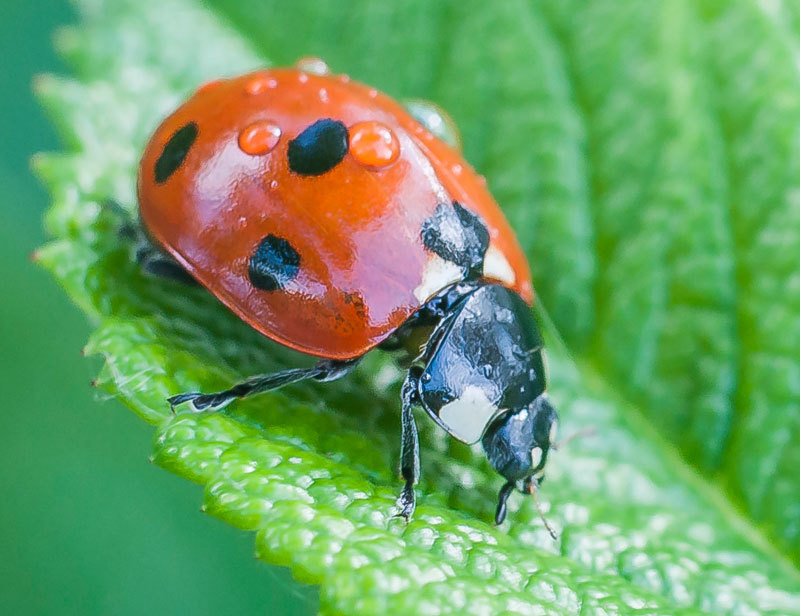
column 151, row 259
column 155, row 262
column 325, row 370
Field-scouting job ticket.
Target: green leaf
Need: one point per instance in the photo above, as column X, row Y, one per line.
column 645, row 153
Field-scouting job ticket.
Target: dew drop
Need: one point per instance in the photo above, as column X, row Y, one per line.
column 302, row 78
column 259, row 137
column 373, row 144
column 488, row 371
column 426, row 378
column 260, row 83
column 436, row 120
column 313, row 65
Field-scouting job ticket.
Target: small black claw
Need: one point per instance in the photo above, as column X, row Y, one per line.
column 201, row 402
column 181, row 398
column 502, row 497
column 406, row 503
column 500, row 514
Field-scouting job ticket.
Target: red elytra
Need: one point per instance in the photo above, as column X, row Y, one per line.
column 363, row 267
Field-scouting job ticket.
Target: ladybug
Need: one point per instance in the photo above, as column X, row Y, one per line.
column 334, row 222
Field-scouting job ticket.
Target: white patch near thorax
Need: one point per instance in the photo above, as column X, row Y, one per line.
column 467, row 417
column 495, row 265
column 553, row 431
column 437, row 274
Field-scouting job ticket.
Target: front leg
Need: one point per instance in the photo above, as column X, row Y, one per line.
column 502, row 498
column 409, row 450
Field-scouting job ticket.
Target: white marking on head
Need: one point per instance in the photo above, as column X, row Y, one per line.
column 553, row 430
column 437, row 274
column 536, row 456
column 495, row 265
column 467, row 417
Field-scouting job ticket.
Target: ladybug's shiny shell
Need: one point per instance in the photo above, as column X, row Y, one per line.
column 299, row 201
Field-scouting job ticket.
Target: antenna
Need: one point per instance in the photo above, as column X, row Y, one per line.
column 588, row 431
column 533, row 488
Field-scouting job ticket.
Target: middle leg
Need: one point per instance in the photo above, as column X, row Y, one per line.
column 409, row 450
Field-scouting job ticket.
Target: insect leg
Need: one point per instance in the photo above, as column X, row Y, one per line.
column 409, row 451
column 325, row 370
column 157, row 263
column 502, row 497
column 150, row 259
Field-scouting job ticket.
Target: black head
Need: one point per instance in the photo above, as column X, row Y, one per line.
column 486, row 356
column 517, row 444
column 485, row 378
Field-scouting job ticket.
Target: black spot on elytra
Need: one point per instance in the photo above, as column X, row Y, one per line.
column 319, row 148
column 175, row 152
column 457, row 235
column 274, row 263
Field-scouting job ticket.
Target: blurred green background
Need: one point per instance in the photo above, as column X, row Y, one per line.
column 74, row 537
